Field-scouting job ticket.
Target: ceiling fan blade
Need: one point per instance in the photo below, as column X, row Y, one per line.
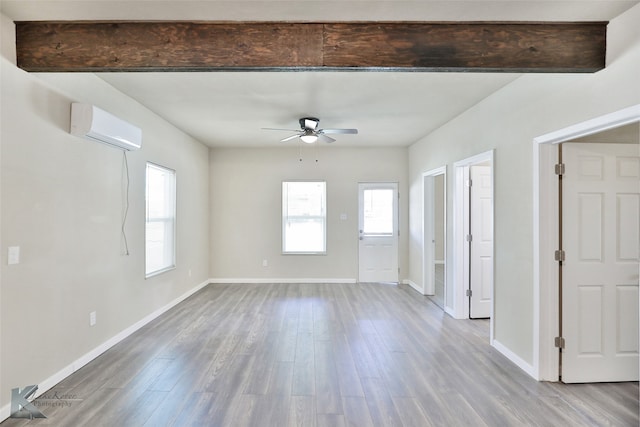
column 289, row 138
column 288, row 130
column 325, row 138
column 343, row 131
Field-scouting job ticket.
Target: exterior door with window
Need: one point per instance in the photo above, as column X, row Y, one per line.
column 600, row 229
column 378, row 232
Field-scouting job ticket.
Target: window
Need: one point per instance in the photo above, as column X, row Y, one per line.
column 160, row 230
column 304, row 217
column 378, row 212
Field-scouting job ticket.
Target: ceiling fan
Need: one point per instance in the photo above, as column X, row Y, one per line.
column 310, row 132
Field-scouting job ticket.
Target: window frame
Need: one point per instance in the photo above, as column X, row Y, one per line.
column 322, row 218
column 171, row 219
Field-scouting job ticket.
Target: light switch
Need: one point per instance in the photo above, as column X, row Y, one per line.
column 343, row 216
column 13, row 256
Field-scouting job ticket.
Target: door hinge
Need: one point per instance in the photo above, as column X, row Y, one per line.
column 469, row 292
column 559, row 169
column 559, row 255
column 559, row 342
column 469, row 237
column 469, row 183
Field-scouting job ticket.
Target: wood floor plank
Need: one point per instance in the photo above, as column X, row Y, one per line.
column 240, row 411
column 304, row 379
column 319, row 354
column 391, row 374
column 328, row 399
column 463, row 412
column 363, row 360
column 270, row 410
column 94, row 407
column 287, row 340
column 222, row 358
column 199, row 406
column 302, row 411
column 330, row 420
column 304, row 376
column 262, row 364
column 356, row 412
column 281, row 382
column 348, row 377
column 176, row 401
column 381, row 407
column 411, row 412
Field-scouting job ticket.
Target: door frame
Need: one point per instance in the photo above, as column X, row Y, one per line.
column 428, row 227
column 460, row 230
column 546, row 303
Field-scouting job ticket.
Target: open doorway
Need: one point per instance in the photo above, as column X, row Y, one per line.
column 434, row 237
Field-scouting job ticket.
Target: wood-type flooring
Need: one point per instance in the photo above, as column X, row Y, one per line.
column 318, row 355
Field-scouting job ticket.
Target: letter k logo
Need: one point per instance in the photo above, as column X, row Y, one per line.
column 21, row 407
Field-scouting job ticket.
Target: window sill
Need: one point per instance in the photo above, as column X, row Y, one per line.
column 158, row 272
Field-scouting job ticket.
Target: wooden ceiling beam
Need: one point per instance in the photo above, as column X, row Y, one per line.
column 286, row 46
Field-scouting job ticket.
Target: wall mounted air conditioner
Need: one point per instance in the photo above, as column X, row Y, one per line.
column 88, row 121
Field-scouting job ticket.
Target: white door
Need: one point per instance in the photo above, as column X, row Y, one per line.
column 481, row 242
column 378, row 225
column 600, row 233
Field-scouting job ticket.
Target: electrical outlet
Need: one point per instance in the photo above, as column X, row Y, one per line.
column 92, row 318
column 189, row 272
column 265, row 263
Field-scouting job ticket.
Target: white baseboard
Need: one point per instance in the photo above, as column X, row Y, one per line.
column 414, row 285
column 276, row 280
column 521, row 363
column 63, row 373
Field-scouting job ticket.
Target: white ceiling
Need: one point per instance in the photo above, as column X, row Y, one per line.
column 388, row 108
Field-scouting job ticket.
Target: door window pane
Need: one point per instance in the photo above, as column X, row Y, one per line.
column 304, row 217
column 378, row 212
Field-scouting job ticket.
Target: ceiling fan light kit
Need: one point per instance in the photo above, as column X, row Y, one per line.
column 310, row 132
column 309, row 137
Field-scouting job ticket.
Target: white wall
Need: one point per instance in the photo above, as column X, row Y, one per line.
column 507, row 121
column 62, row 203
column 246, row 188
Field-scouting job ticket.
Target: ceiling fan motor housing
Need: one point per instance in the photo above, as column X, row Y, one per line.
column 303, row 122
